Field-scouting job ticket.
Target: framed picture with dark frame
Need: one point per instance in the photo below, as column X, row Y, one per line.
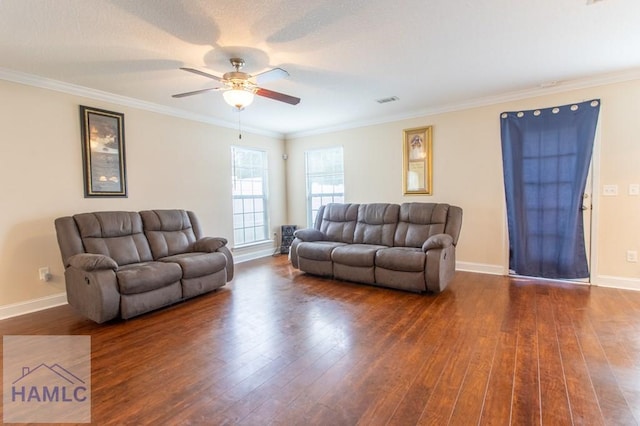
column 417, row 161
column 103, row 153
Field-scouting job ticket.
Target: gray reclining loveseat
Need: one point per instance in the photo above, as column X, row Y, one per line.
column 410, row 246
column 123, row 264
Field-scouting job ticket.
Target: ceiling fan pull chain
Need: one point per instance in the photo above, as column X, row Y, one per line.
column 239, row 126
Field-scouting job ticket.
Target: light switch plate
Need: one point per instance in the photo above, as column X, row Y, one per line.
column 634, row 189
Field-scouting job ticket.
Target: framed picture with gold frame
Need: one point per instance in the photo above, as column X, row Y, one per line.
column 103, row 153
column 417, row 170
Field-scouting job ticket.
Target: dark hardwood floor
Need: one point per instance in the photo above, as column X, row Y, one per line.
column 277, row 346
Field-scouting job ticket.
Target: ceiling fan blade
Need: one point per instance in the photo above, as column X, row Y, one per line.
column 202, row 73
column 277, row 96
column 195, row 92
column 270, row 75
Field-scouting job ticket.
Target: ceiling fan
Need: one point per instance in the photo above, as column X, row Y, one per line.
column 239, row 87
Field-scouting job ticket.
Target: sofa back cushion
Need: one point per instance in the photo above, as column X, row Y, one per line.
column 115, row 234
column 69, row 239
column 376, row 224
column 454, row 223
column 419, row 221
column 169, row 232
column 339, row 222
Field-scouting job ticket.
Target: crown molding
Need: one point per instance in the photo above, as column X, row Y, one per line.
column 543, row 90
column 73, row 89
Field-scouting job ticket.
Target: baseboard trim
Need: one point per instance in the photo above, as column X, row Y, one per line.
column 600, row 280
column 481, row 268
column 254, row 254
column 617, row 282
column 29, row 306
column 21, row 308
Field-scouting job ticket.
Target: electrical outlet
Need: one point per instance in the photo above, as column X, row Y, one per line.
column 634, row 189
column 632, row 256
column 44, row 273
column 610, row 190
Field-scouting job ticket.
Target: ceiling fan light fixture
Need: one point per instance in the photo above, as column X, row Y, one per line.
column 238, row 98
column 238, row 88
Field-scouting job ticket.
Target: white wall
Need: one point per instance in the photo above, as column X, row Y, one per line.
column 178, row 163
column 468, row 173
column 171, row 163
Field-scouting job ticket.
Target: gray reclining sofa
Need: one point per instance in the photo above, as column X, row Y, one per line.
column 123, row 264
column 409, row 247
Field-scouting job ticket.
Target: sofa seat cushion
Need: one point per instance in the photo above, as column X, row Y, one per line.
column 198, row 264
column 405, row 259
column 362, row 255
column 318, row 250
column 142, row 277
column 136, row 304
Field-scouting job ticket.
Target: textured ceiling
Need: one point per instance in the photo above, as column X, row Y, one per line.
column 342, row 55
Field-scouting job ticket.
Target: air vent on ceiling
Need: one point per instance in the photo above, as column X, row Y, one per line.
column 386, row 100
column 547, row 84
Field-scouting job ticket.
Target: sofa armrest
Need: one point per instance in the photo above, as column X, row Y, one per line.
column 230, row 266
column 92, row 262
column 209, row 244
column 309, row 234
column 438, row 241
column 216, row 244
column 94, row 294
